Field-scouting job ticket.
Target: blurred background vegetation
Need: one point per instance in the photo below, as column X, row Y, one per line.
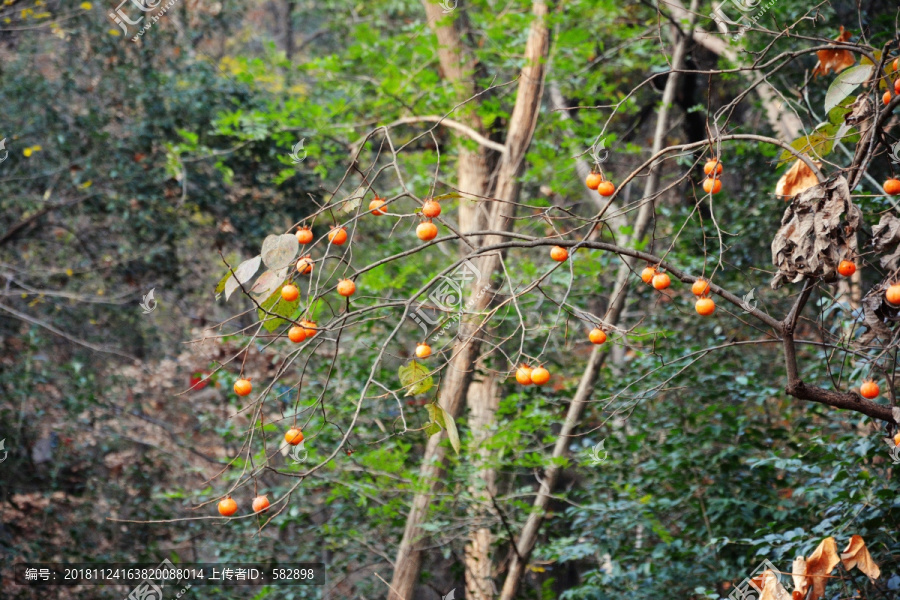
column 131, row 166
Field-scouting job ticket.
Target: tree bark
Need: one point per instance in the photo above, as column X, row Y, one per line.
column 529, row 533
column 465, row 353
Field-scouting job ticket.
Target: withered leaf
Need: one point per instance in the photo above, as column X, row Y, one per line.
column 798, row 575
column 818, row 230
column 886, row 237
column 820, row 564
column 796, row 179
column 875, row 312
column 857, row 555
column 772, row 588
column 835, row 60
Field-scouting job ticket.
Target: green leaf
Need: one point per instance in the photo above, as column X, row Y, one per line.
column 844, row 84
column 415, row 377
column 443, row 420
column 274, row 304
column 816, row 145
column 432, row 428
column 220, row 287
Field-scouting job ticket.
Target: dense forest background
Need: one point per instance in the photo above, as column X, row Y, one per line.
column 145, row 166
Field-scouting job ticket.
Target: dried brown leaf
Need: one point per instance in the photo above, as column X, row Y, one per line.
column 796, row 179
column 835, row 60
column 798, row 575
column 772, row 588
column 857, row 555
column 820, row 564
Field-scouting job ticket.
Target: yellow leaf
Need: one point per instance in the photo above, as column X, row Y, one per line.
column 115, row 32
column 857, row 555
column 835, row 60
column 86, row 6
column 26, row 152
column 798, row 178
column 69, row 272
column 820, row 564
column 86, row 184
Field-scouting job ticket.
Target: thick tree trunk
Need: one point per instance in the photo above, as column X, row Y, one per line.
column 459, row 371
column 529, row 533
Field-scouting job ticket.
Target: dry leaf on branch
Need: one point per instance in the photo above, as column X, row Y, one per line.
column 835, row 60
column 772, row 588
column 820, row 564
column 886, row 236
column 818, row 231
column 857, row 555
column 798, row 574
column 798, row 178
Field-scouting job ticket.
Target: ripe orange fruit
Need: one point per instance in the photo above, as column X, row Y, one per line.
column 897, row 86
column 647, row 274
column 897, row 64
column 886, row 98
column 711, row 165
column 892, row 187
column 892, row 294
column 260, row 503
column 712, row 185
column 540, row 376
column 661, row 281
column 606, row 188
column 293, row 436
column 346, row 288
column 337, row 236
column 558, row 253
column 869, row 389
column 376, row 206
column 700, row 287
column 305, row 265
column 289, row 293
column 296, row 334
column 243, row 387
column 304, row 235
column 847, row 268
column 431, row 209
column 309, row 328
column 523, row 375
column 423, row 350
column 597, row 336
column 705, row 306
column 427, row 231
column 227, row 506
column 897, row 439
column 593, row 181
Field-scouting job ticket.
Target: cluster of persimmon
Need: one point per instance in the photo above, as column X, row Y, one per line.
column 887, row 95
column 712, row 168
column 597, row 181
column 527, row 375
column 227, row 505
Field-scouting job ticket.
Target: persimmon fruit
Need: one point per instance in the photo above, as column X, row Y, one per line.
column 309, row 328
column 540, row 376
column 296, row 334
column 260, row 503
column 304, row 235
column 712, row 185
column 647, row 274
column 376, row 206
column 892, row 294
column 559, row 254
column 243, row 387
column 661, row 281
column 293, row 436
column 606, row 188
column 337, row 236
column 227, row 506
column 869, row 389
column 305, row 265
column 711, row 165
column 700, row 287
column 597, row 336
column 593, row 181
column 892, row 187
column 431, row 209
column 423, row 350
column 523, row 375
column 289, row 293
column 426, row 231
column 346, row 288
column 705, row 306
column 846, row 268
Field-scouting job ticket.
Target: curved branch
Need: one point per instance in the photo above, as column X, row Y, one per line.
column 462, row 128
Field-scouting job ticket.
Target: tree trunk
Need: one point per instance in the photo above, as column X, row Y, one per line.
column 465, row 353
column 529, row 533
